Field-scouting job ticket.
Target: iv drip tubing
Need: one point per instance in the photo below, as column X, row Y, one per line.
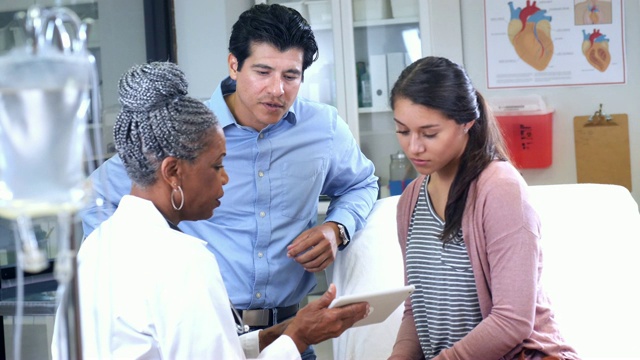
column 17, row 325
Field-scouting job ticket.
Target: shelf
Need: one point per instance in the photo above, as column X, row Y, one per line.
column 102, row 125
column 377, row 133
column 385, row 22
column 370, row 110
column 321, row 26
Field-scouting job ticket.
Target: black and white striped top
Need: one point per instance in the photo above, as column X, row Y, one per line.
column 445, row 302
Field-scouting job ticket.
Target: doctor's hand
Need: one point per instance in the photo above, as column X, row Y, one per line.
column 316, row 248
column 270, row 334
column 316, row 323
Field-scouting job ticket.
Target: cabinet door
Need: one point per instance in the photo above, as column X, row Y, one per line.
column 385, row 37
column 321, row 78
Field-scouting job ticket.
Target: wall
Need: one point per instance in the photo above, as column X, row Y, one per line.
column 202, row 30
column 121, row 26
column 568, row 102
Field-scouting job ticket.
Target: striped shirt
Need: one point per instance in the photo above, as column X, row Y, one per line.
column 445, row 302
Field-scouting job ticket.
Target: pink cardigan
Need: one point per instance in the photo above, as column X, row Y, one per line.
column 501, row 231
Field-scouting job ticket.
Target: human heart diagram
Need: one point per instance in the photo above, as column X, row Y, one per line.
column 595, row 47
column 530, row 34
column 592, row 16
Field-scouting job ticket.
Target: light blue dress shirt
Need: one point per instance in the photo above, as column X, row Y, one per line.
column 275, row 179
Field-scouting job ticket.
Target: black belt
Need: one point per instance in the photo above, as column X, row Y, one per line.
column 266, row 317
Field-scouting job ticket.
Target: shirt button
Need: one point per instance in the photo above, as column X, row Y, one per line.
column 262, row 214
column 258, row 295
column 260, row 173
column 260, row 255
column 261, row 136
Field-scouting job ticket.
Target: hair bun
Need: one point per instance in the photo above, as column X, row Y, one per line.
column 147, row 86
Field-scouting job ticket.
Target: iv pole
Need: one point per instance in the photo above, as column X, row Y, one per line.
column 46, row 90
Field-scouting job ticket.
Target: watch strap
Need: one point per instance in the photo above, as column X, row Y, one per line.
column 344, row 236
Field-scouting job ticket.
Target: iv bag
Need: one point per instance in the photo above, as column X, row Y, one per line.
column 44, row 103
column 47, row 87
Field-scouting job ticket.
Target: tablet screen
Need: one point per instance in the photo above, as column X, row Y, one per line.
column 381, row 303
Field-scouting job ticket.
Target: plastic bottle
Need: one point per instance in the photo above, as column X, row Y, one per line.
column 401, row 173
column 364, row 85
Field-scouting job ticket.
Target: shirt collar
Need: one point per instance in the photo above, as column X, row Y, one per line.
column 173, row 226
column 219, row 107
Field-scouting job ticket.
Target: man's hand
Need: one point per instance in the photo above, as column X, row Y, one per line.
column 316, row 248
column 316, row 323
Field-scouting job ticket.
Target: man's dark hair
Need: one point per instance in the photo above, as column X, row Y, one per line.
column 276, row 25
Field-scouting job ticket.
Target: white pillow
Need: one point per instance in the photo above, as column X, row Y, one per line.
column 372, row 261
column 590, row 243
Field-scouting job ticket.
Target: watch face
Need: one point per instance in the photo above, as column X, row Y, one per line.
column 343, row 234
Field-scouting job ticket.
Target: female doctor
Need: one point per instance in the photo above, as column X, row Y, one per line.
column 149, row 291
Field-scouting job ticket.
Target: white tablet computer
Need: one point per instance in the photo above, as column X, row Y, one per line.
column 381, row 303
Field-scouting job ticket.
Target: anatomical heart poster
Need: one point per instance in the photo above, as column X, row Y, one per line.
column 554, row 43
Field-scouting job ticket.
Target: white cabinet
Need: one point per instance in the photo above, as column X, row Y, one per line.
column 324, row 79
column 385, row 35
column 385, row 45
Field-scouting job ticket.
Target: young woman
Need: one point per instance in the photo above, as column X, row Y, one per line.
column 470, row 237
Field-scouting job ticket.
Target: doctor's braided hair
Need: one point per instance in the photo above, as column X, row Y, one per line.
column 158, row 120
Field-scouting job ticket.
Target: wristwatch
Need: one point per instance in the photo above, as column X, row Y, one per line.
column 343, row 235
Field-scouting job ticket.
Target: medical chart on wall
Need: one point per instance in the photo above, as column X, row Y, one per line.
column 554, row 43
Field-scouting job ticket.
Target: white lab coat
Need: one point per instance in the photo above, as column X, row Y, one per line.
column 150, row 292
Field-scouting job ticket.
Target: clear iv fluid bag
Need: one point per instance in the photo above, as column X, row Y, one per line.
column 44, row 103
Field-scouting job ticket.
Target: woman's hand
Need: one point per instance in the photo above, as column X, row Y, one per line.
column 316, row 323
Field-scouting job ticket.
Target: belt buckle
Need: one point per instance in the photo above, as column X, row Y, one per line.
column 256, row 317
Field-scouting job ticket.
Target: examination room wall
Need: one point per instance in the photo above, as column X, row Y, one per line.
column 568, row 102
column 204, row 61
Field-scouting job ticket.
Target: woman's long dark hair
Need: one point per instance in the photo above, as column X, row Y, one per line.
column 443, row 85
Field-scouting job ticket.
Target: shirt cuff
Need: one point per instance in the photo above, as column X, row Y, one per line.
column 282, row 348
column 251, row 344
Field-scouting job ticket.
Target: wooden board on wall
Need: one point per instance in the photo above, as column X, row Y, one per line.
column 602, row 150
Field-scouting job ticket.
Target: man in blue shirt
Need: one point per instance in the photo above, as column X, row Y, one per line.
column 283, row 153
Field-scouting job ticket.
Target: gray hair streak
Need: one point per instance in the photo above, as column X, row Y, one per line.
column 158, row 120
